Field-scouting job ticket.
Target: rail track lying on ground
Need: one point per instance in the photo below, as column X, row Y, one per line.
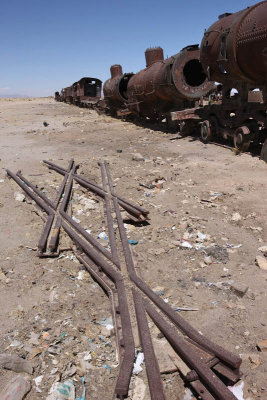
column 207, row 366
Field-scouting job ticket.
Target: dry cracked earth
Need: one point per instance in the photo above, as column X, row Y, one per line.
column 204, row 248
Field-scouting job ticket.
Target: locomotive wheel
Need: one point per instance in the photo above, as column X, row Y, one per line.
column 206, row 131
column 264, row 151
column 242, row 138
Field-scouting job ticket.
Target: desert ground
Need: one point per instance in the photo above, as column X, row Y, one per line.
column 204, row 247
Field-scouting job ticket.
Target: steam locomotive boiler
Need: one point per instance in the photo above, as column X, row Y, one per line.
column 116, row 90
column 233, row 52
column 165, row 85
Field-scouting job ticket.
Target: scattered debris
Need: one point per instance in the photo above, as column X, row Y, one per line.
column 236, row 217
column 103, row 236
column 15, row 363
column 82, row 397
column 133, row 242
column 16, row 389
column 237, row 390
column 137, row 365
column 62, row 391
column 19, row 196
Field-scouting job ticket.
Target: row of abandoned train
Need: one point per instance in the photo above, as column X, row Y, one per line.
column 218, row 88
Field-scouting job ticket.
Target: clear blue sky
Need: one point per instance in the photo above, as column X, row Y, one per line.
column 49, row 44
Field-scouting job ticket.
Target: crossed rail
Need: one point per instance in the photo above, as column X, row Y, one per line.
column 206, row 360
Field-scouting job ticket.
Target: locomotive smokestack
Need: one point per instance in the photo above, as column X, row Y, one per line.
column 153, row 55
column 115, row 70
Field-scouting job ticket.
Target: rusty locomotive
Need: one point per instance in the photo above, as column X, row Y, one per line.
column 219, row 88
column 84, row 93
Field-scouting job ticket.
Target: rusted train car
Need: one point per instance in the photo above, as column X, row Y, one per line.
column 182, row 90
column 84, row 93
column 233, row 52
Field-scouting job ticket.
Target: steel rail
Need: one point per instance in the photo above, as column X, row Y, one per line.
column 40, row 202
column 103, row 272
column 127, row 343
column 215, row 385
column 49, row 211
column 127, row 205
column 108, row 286
column 111, row 233
column 82, row 231
column 37, row 191
column 152, row 367
column 182, row 324
column 63, row 184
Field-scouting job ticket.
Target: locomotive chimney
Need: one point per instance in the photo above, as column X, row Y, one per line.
column 115, row 70
column 153, row 55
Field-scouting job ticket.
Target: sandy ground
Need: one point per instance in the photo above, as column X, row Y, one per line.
column 208, row 197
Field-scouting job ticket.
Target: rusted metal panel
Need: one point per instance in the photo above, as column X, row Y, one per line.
column 235, row 47
column 182, row 115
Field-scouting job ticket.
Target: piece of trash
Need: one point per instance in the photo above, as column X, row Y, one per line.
column 38, row 382
column 82, row 275
column 2, row 180
column 166, row 300
column 133, row 241
column 15, row 343
column 186, row 309
column 107, row 367
column 186, row 244
column 159, row 290
column 84, row 390
column 76, row 219
column 15, row 363
column 237, row 390
column 16, row 389
column 19, row 196
column 103, row 236
column 46, row 336
column 236, row 217
column 201, row 236
column 45, row 123
column 213, row 303
column 137, row 365
column 62, row 391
